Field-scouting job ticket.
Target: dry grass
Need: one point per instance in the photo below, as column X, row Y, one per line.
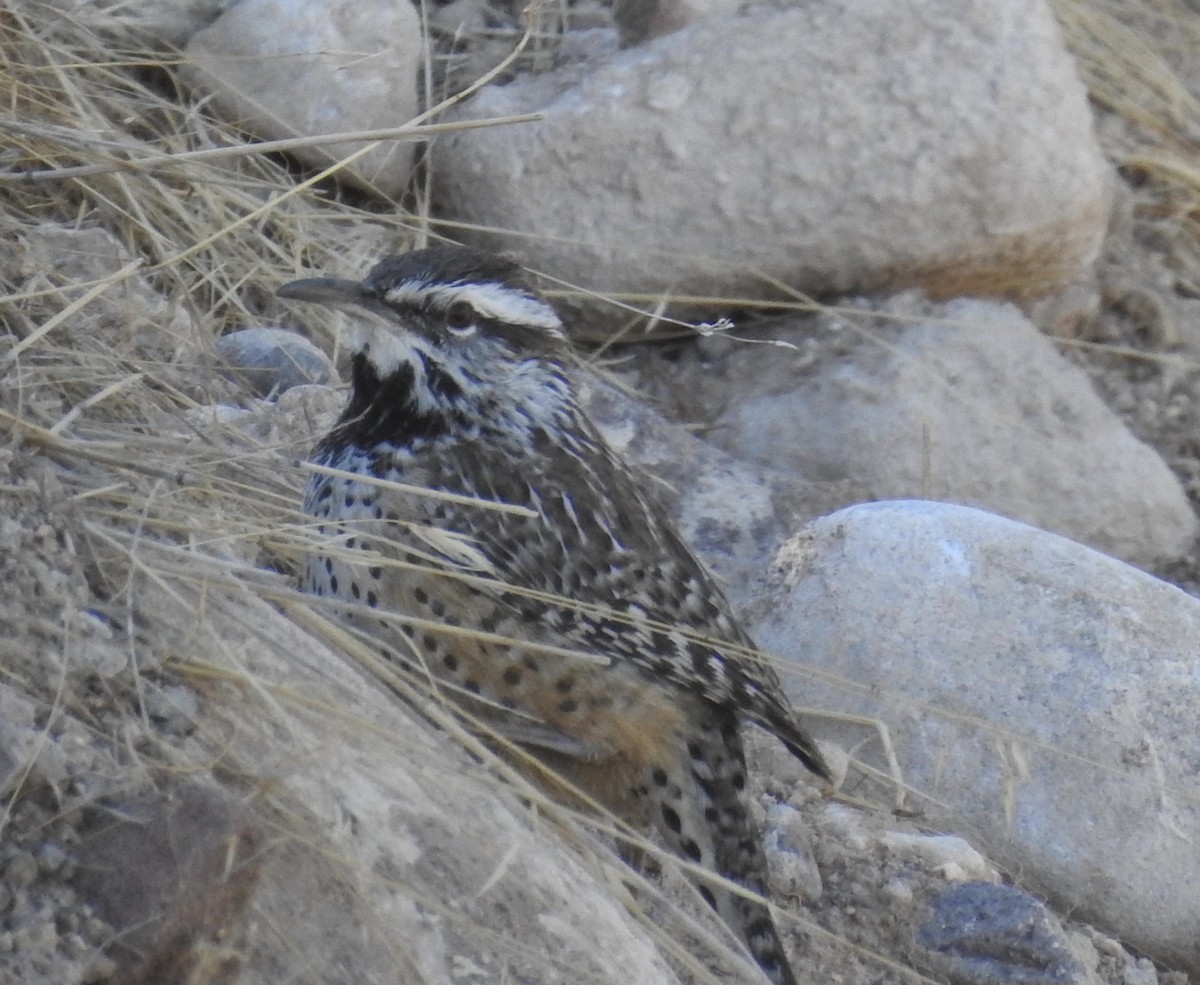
column 1132, row 57
column 143, row 229
column 180, row 529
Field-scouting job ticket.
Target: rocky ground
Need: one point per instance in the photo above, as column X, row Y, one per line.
column 201, row 780
column 1140, row 351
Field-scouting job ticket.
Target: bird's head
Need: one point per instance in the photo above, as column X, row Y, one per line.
column 446, row 330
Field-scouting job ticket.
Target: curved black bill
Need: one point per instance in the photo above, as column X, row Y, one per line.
column 325, row 290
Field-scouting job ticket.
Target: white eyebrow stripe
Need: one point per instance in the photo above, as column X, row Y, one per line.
column 504, row 304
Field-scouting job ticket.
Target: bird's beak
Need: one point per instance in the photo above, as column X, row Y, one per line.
column 333, row 293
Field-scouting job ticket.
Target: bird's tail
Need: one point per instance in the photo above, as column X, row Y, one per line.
column 699, row 805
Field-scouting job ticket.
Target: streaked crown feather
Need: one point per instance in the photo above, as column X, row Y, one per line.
column 435, row 278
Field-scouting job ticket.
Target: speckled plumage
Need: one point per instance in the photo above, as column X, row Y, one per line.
column 459, row 385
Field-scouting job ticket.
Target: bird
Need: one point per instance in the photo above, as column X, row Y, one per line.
column 464, row 486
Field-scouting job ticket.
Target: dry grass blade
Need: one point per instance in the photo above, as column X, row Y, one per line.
column 154, row 507
column 1130, row 57
column 131, row 467
column 188, row 158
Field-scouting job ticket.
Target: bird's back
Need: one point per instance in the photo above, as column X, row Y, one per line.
column 597, row 566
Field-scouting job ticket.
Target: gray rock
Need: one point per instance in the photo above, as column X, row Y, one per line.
column 406, row 859
column 1041, row 698
column 18, row 738
column 965, row 402
column 51, row 857
column 169, row 21
column 92, row 646
column 986, row 934
column 27, row 759
column 959, row 157
column 21, row 871
column 173, row 707
column 272, row 360
column 130, row 316
column 310, row 68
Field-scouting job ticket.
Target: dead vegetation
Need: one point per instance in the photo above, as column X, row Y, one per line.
column 150, row 526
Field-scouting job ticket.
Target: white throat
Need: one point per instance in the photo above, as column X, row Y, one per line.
column 387, row 347
column 518, row 396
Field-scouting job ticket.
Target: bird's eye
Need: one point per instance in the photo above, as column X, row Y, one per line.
column 460, row 319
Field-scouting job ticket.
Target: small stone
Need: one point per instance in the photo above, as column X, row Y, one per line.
column 272, row 360
column 93, row 646
column 948, row 855
column 50, row 857
column 788, row 844
column 1108, row 946
column 38, row 936
column 22, row 871
column 99, row 969
column 899, row 892
column 176, row 706
column 1141, row 972
column 459, row 18
column 985, row 934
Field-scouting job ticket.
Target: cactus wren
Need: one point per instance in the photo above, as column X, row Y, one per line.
column 460, row 385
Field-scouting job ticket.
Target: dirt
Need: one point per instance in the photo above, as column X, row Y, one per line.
column 71, row 739
column 1142, row 346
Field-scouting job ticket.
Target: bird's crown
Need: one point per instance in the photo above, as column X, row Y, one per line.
column 448, row 295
